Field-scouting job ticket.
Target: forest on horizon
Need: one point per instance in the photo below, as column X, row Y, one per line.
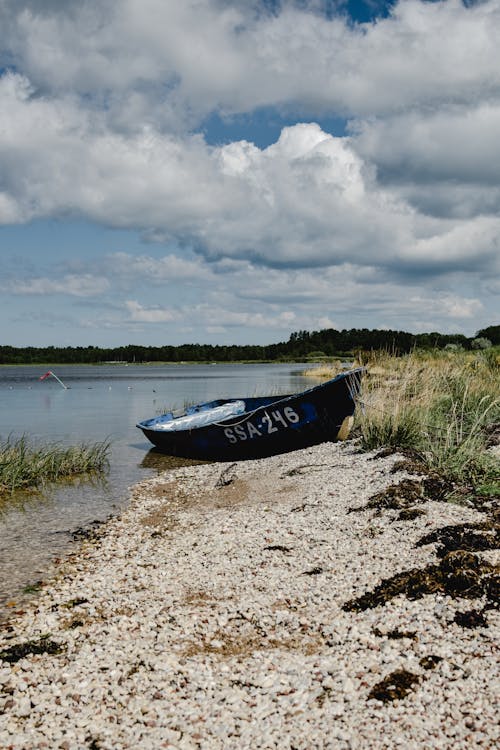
column 301, row 345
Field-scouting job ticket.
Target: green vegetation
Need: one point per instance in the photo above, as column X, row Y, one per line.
column 302, row 345
column 27, row 467
column 441, row 407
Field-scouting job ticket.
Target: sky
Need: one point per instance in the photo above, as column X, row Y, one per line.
column 231, row 171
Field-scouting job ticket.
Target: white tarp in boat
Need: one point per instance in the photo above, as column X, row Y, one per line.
column 201, row 418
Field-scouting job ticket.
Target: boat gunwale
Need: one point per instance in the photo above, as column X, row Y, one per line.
column 237, row 419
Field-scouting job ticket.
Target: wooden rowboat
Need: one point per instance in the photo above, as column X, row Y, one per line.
column 239, row 429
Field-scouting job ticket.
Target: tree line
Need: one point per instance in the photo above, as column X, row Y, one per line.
column 301, row 345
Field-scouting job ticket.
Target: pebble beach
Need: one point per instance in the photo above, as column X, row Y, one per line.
column 212, row 613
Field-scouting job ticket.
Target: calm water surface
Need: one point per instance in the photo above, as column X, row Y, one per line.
column 101, row 402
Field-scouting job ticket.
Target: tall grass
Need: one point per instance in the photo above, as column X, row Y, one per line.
column 437, row 405
column 324, row 371
column 24, row 466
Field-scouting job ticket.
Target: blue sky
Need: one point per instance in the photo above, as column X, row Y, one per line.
column 230, row 171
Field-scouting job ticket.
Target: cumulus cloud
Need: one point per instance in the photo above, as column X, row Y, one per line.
column 454, row 143
column 444, row 162
column 240, row 296
column 102, row 106
column 228, row 311
column 215, row 318
column 308, row 199
column 201, row 56
column 140, row 314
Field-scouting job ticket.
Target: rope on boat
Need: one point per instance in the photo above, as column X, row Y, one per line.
column 242, row 421
column 352, row 386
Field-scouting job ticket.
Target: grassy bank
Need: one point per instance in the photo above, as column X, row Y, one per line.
column 443, row 408
column 26, row 467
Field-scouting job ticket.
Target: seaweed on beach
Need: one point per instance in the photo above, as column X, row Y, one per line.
column 313, row 572
column 395, row 685
column 458, row 574
column 471, row 537
column 407, row 493
column 409, row 514
column 430, row 662
column 437, row 487
column 411, row 465
column 395, row 634
column 399, row 683
column 94, row 743
column 71, row 604
column 42, row 645
column 391, row 450
column 472, row 618
column 91, row 532
column 74, row 623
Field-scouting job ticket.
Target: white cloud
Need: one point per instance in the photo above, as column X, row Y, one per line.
column 443, row 306
column 185, row 59
column 459, row 143
column 217, row 316
column 9, row 209
column 443, row 162
column 84, row 285
column 457, row 307
column 140, row 314
column 98, row 119
column 465, row 244
column 325, row 322
column 309, row 199
column 214, row 318
column 156, row 270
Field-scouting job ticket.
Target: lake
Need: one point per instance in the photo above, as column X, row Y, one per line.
column 100, row 402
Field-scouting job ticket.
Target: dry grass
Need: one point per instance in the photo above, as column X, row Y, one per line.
column 324, row 371
column 439, row 406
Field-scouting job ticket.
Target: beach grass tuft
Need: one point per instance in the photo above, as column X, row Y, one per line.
column 440, row 406
column 25, row 466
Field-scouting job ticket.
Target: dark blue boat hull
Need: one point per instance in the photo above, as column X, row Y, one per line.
column 270, row 425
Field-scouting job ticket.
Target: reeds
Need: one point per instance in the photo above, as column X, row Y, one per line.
column 24, row 466
column 437, row 405
column 324, row 371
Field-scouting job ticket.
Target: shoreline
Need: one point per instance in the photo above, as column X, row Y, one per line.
column 160, row 363
column 209, row 614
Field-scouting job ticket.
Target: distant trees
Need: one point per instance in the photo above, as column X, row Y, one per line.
column 301, row 345
column 480, row 343
column 492, row 334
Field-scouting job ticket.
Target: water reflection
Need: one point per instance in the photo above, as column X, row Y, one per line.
column 157, row 460
column 102, row 401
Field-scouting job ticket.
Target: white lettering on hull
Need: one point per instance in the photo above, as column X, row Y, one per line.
column 271, row 423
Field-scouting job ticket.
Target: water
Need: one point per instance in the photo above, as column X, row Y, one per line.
column 101, row 402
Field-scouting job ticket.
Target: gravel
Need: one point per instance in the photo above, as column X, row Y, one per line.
column 209, row 615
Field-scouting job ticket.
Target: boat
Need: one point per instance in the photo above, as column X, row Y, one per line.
column 246, row 428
